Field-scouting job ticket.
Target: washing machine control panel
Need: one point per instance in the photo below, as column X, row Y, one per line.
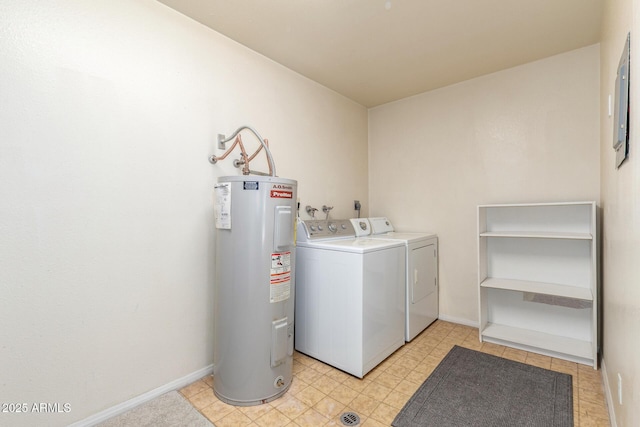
column 315, row 229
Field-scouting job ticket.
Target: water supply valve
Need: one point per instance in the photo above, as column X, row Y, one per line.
column 326, row 209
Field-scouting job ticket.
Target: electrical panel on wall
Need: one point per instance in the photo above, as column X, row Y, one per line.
column 621, row 112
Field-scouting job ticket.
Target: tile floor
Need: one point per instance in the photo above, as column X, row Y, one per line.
column 319, row 393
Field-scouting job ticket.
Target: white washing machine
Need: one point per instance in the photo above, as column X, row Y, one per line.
column 349, row 306
column 421, row 275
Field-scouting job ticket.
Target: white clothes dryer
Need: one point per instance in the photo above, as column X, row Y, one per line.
column 421, row 274
column 362, row 227
column 349, row 306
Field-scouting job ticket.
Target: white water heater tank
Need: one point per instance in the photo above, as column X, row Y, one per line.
column 254, row 288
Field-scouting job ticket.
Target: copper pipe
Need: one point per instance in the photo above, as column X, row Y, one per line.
column 245, row 158
column 226, row 153
column 266, row 142
column 221, row 139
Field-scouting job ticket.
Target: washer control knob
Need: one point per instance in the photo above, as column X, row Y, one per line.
column 319, row 228
column 312, row 227
column 332, row 227
column 343, row 226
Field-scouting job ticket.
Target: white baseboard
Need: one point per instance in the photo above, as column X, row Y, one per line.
column 458, row 320
column 143, row 398
column 608, row 394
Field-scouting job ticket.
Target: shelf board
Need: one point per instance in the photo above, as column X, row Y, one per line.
column 553, row 343
column 538, row 235
column 538, row 288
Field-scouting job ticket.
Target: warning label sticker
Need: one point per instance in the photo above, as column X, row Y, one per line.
column 280, row 283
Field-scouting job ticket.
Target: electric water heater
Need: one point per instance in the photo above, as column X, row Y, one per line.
column 254, row 288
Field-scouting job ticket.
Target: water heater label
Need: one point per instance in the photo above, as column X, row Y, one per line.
column 280, row 194
column 281, row 191
column 280, row 283
column 222, row 207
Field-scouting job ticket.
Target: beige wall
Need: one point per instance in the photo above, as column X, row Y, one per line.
column 526, row 134
column 621, row 223
column 108, row 114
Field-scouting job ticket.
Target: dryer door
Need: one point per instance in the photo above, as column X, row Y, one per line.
column 423, row 270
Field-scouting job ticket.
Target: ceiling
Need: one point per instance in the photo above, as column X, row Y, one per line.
column 377, row 51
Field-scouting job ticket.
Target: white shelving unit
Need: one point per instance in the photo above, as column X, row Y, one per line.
column 538, row 278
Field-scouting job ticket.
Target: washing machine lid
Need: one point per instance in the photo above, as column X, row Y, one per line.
column 360, row 245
